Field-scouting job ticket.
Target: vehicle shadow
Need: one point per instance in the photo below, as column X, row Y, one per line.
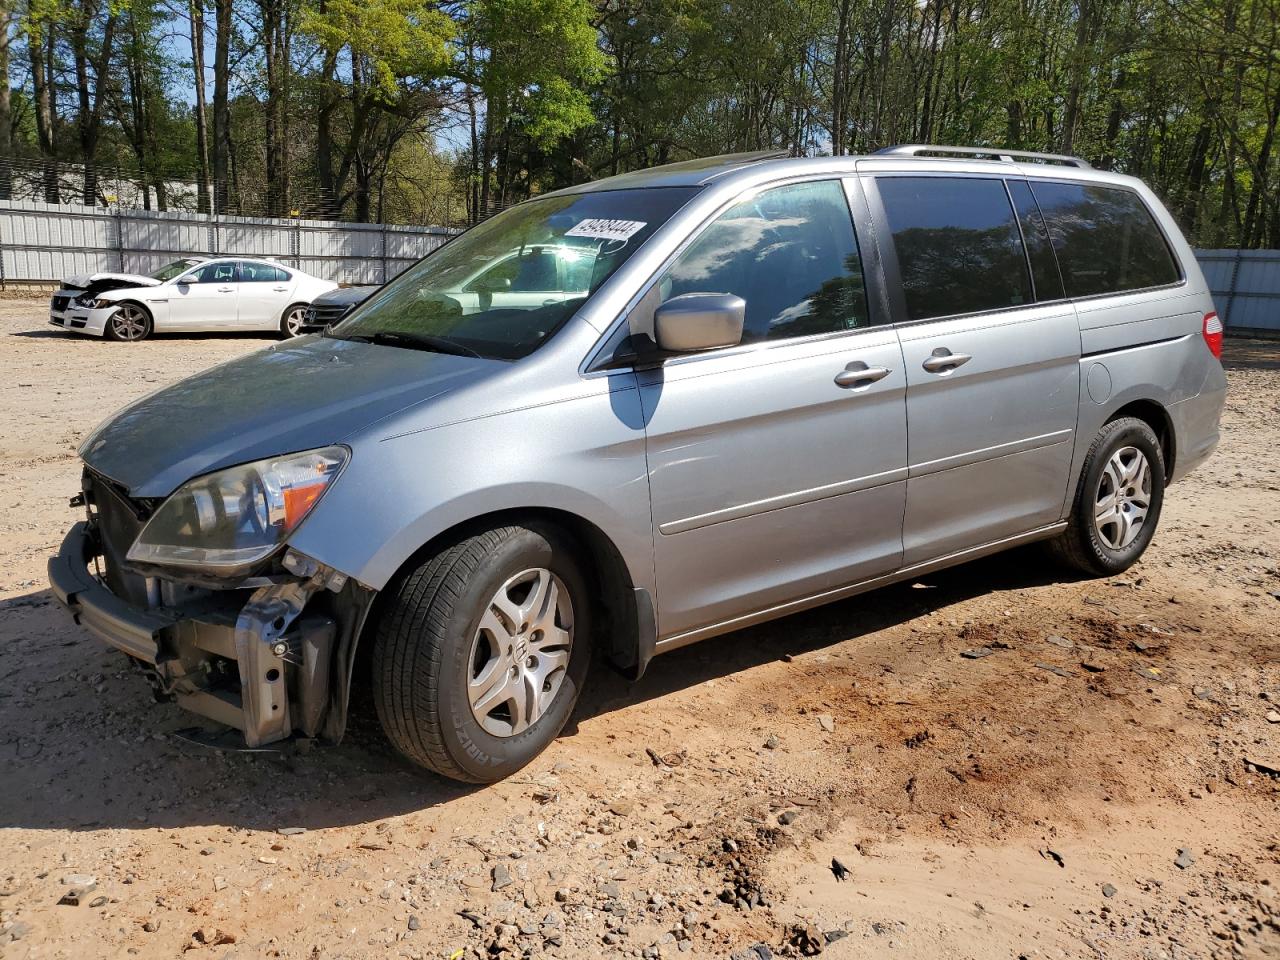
column 1251, row 354
column 85, row 748
column 820, row 627
column 40, row 334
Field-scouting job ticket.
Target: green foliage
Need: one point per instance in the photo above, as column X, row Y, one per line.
column 395, row 38
column 541, row 56
column 388, row 103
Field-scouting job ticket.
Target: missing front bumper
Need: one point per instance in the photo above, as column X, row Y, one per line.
column 258, row 661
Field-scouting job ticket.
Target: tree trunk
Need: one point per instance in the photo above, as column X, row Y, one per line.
column 840, row 80
column 40, row 50
column 329, row 190
column 274, row 116
column 363, row 190
column 7, row 19
column 221, row 107
column 1078, row 68
column 1255, row 210
column 196, row 8
column 89, row 95
column 473, row 185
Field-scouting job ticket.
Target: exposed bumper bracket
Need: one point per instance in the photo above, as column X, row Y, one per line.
column 261, row 654
column 137, row 632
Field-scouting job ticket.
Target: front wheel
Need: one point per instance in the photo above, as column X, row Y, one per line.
column 1117, row 502
column 129, row 323
column 480, row 653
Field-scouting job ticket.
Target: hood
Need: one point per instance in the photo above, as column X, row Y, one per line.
column 108, row 281
column 344, row 296
column 308, row 393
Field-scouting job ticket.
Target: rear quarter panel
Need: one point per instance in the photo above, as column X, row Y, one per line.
column 1148, row 345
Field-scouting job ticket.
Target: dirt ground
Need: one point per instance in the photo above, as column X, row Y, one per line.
column 1106, row 784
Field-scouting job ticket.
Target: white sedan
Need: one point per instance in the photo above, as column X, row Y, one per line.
column 234, row 293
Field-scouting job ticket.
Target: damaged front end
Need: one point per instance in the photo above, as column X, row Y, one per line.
column 267, row 650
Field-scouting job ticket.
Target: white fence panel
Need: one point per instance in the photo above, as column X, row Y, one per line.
column 42, row 242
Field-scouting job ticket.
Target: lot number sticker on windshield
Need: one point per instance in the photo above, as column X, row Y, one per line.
column 607, row 229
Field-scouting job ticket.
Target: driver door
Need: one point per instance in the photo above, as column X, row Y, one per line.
column 776, row 473
column 206, row 298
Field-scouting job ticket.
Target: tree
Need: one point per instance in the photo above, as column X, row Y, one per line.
column 90, row 26
column 195, row 10
column 222, row 27
column 8, row 18
column 39, row 26
column 531, row 61
column 393, row 52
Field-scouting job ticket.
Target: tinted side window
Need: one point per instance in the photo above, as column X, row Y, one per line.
column 1106, row 239
column 790, row 253
column 958, row 245
column 251, row 272
column 1044, row 266
column 216, row 273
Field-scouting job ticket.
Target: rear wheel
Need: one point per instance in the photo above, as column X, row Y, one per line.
column 480, row 653
column 129, row 323
column 1118, row 500
column 293, row 321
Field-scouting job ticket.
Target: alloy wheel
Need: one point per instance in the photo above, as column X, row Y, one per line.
column 1123, row 498
column 129, row 323
column 520, row 653
column 294, row 320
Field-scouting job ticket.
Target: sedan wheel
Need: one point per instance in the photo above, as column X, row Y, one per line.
column 129, row 323
column 295, row 319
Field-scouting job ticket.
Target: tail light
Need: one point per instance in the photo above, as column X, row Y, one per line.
column 1212, row 331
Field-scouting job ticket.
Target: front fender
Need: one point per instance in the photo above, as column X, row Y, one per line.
column 584, row 456
column 158, row 306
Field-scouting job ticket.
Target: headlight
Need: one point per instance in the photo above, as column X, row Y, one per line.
column 237, row 516
column 94, row 303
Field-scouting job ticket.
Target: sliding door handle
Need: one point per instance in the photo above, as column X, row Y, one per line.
column 944, row 361
column 858, row 374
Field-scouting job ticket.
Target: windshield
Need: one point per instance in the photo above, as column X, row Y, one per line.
column 503, row 287
column 171, row 270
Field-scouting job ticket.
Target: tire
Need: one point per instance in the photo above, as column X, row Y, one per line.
column 292, row 320
column 441, row 628
column 1115, row 540
column 130, row 323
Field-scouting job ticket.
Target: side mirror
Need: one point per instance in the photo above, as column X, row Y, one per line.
column 699, row 321
column 187, row 280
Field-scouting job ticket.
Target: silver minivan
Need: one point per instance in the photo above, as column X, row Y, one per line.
column 686, row 400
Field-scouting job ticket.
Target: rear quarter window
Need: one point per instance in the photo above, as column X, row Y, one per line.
column 1106, row 239
column 958, row 245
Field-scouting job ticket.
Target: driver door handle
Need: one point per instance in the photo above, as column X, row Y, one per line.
column 226, row 289
column 944, row 361
column 858, row 374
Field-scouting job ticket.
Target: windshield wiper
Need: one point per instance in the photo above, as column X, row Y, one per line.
column 416, row 341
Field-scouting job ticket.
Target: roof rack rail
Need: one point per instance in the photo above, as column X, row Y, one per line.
column 998, row 153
